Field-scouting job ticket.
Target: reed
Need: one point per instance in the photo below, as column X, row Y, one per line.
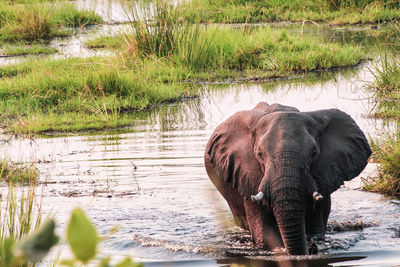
column 20, row 215
column 387, row 154
column 386, row 85
column 331, row 11
column 13, row 173
column 30, row 22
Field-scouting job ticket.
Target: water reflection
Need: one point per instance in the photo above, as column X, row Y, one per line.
column 112, row 11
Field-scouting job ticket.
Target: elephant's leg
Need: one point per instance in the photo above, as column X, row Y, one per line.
column 235, row 202
column 232, row 197
column 238, row 213
column 317, row 217
column 262, row 226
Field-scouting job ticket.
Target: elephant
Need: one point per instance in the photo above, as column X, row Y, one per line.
column 276, row 167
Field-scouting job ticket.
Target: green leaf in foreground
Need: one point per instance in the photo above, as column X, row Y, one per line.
column 127, row 262
column 82, row 236
column 35, row 247
column 7, row 253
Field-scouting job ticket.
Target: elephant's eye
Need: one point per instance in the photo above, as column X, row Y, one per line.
column 260, row 155
column 314, row 155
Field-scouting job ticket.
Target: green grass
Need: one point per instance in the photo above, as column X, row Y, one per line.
column 23, row 50
column 109, row 42
column 387, row 154
column 156, row 61
column 386, row 85
column 215, row 52
column 335, row 12
column 20, row 215
column 221, row 51
column 83, row 94
column 13, row 173
column 32, row 22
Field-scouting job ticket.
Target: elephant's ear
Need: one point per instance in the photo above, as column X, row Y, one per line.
column 344, row 150
column 230, row 151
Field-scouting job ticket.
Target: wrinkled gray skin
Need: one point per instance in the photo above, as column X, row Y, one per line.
column 287, row 155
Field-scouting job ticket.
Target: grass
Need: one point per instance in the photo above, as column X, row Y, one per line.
column 386, row 85
column 19, row 216
column 157, row 59
column 32, row 22
column 22, row 50
column 214, row 52
column 82, row 94
column 109, row 42
column 330, row 11
column 387, row 154
column 13, row 173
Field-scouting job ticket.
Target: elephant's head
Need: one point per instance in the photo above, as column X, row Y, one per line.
column 284, row 159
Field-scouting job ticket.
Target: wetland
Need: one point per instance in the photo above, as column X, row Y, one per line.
column 123, row 137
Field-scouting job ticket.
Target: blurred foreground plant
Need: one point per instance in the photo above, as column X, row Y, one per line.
column 81, row 236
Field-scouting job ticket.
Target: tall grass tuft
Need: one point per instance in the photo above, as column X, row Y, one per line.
column 167, row 35
column 19, row 216
column 156, row 28
column 387, row 153
column 30, row 22
column 387, row 87
column 13, row 173
column 25, row 23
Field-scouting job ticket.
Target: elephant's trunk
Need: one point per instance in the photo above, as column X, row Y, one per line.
column 288, row 201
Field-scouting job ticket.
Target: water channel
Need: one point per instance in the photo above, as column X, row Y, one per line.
column 149, row 179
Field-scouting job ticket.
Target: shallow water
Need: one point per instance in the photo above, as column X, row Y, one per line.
column 150, row 181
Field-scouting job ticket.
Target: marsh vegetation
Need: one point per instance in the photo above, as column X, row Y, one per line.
column 31, row 24
column 335, row 12
column 386, row 86
column 158, row 61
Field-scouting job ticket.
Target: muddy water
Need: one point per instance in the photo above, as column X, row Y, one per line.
column 149, row 180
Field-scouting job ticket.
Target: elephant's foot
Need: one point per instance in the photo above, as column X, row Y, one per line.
column 312, row 248
column 312, row 244
column 261, row 226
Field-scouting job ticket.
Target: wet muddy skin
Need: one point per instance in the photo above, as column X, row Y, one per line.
column 149, row 179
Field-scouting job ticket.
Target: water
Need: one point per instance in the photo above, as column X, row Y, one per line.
column 150, row 181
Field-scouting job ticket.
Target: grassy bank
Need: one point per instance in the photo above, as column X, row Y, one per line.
column 213, row 53
column 22, row 50
column 94, row 93
column 81, row 94
column 156, row 61
column 334, row 12
column 387, row 88
column 386, row 85
column 32, row 22
column 387, row 154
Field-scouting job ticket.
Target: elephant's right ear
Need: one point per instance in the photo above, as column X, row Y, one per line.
column 230, row 152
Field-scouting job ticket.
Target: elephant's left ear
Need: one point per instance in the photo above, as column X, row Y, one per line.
column 344, row 150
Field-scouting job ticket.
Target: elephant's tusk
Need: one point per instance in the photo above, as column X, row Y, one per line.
column 258, row 197
column 317, row 196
